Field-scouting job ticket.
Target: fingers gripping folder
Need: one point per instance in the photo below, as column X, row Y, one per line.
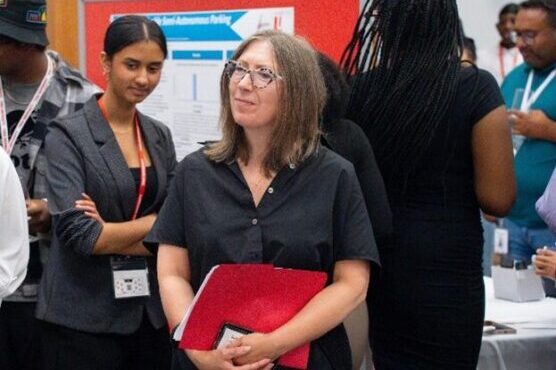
column 235, row 300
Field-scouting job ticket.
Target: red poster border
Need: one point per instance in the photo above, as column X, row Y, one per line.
column 326, row 24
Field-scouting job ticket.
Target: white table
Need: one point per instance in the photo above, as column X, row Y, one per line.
column 533, row 347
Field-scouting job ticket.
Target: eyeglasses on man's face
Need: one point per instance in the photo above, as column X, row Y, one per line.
column 260, row 77
column 527, row 37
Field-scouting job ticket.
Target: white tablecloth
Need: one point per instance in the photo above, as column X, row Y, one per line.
column 533, row 347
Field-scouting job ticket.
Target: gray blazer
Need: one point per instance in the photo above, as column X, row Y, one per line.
column 83, row 156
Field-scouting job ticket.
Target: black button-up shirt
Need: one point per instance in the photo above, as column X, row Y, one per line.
column 310, row 216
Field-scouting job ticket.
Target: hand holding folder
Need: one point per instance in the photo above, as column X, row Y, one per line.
column 237, row 299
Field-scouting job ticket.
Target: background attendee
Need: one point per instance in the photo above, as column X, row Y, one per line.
column 441, row 140
column 348, row 140
column 14, row 248
column 108, row 170
column 499, row 60
column 504, row 56
column 534, row 82
column 469, row 57
column 469, row 52
column 28, row 71
column 268, row 193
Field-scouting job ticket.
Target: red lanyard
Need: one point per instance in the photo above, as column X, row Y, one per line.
column 502, row 64
column 141, row 154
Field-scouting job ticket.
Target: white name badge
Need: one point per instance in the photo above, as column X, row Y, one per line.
column 501, row 237
column 130, row 277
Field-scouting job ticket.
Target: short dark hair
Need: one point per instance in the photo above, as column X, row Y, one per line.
column 130, row 29
column 510, row 8
column 337, row 88
column 549, row 6
column 469, row 45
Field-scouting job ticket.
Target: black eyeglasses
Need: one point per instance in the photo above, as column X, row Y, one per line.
column 260, row 77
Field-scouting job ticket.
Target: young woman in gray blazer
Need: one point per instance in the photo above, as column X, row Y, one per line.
column 108, row 170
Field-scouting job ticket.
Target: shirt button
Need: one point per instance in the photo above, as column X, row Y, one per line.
column 270, row 190
column 292, row 166
column 254, row 221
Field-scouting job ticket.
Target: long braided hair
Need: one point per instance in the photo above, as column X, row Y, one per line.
column 403, row 60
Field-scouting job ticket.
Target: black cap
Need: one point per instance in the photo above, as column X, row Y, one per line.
column 24, row 21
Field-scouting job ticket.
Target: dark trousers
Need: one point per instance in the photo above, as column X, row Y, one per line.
column 337, row 358
column 67, row 349
column 19, row 337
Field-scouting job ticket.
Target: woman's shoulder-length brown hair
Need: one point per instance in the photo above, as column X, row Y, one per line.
column 302, row 96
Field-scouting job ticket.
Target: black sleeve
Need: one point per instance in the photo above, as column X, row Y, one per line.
column 372, row 184
column 169, row 227
column 482, row 93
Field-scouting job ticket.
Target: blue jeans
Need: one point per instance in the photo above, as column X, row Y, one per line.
column 524, row 242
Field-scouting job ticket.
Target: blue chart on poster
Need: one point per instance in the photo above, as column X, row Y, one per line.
column 199, row 43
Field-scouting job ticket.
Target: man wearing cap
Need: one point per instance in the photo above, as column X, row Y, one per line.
column 36, row 86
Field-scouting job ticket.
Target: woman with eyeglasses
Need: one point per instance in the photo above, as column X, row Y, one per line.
column 441, row 139
column 109, row 167
column 267, row 192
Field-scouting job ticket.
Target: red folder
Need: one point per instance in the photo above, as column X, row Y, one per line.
column 256, row 297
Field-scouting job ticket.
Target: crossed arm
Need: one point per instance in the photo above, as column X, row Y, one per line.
column 118, row 237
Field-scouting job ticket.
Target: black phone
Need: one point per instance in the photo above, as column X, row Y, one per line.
column 493, row 327
column 228, row 332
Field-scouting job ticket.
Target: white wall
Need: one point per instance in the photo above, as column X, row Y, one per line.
column 479, row 18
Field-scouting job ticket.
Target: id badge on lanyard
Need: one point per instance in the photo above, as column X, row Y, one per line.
column 501, row 242
column 130, row 274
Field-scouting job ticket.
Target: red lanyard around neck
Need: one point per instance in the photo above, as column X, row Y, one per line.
column 141, row 154
column 502, row 64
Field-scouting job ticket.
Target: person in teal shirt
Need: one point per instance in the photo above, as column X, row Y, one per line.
column 535, row 120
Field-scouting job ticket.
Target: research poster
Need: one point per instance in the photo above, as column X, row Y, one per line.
column 199, row 43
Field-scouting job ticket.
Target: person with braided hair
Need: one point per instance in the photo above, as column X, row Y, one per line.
column 442, row 142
